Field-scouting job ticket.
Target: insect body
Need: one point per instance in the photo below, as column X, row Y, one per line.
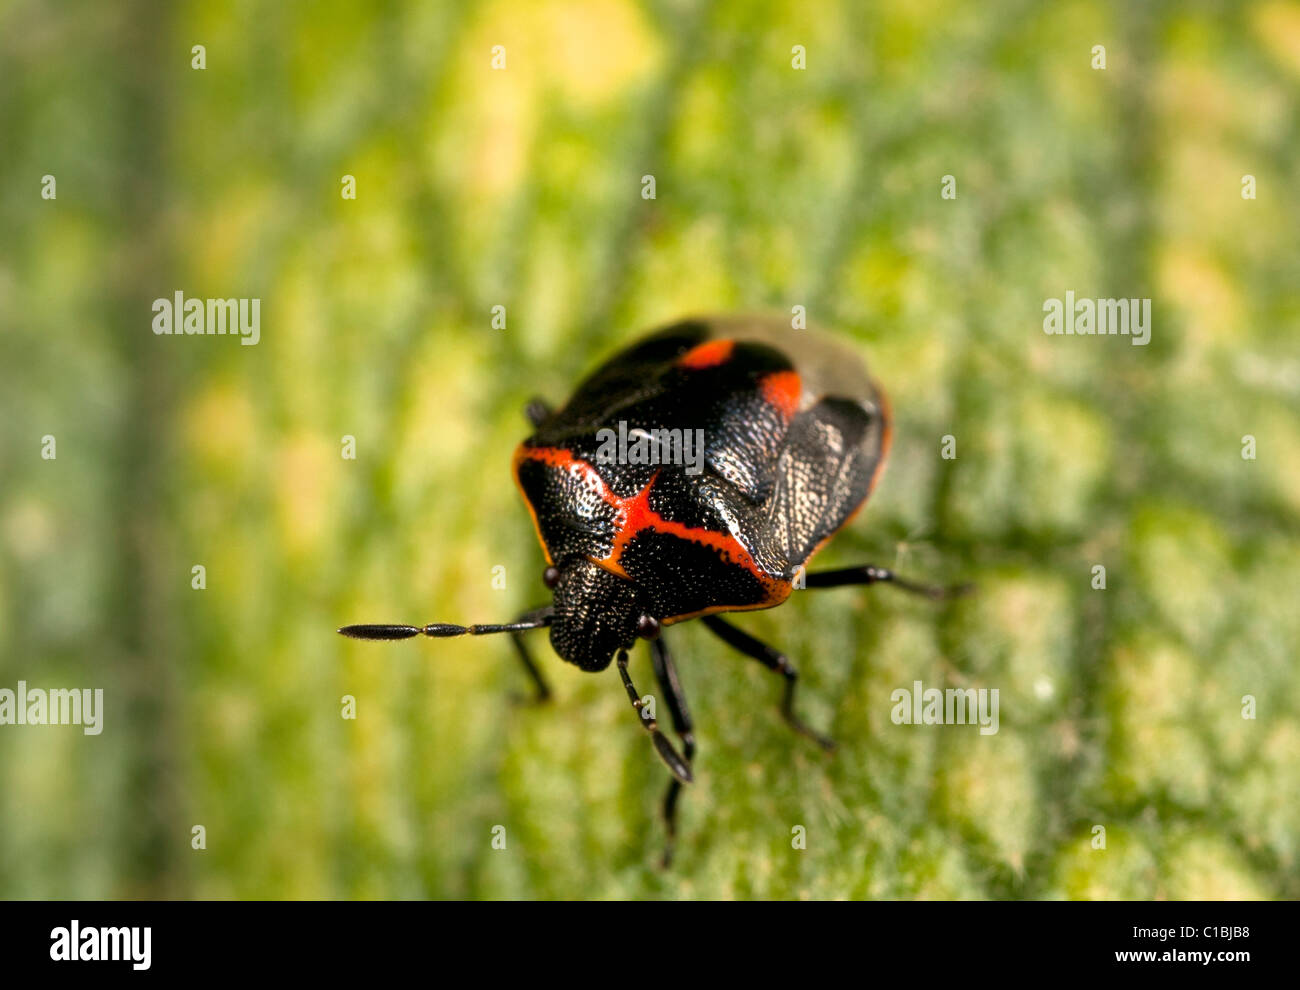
column 752, row 444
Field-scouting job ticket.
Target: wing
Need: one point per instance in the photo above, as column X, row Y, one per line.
column 829, row 454
column 827, row 467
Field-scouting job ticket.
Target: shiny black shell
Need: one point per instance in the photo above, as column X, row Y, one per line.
column 794, row 436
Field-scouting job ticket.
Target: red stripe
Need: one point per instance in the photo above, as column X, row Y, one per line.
column 633, row 514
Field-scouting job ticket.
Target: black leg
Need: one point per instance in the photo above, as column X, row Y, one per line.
column 870, row 574
column 536, row 411
column 675, row 699
column 541, row 691
column 680, row 768
column 772, row 660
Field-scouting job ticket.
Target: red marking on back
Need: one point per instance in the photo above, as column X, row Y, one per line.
column 707, row 355
column 634, row 514
column 782, row 389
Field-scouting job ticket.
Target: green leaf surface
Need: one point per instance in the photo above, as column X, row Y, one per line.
column 776, row 187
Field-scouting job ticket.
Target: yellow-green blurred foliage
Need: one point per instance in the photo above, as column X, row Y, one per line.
column 522, row 187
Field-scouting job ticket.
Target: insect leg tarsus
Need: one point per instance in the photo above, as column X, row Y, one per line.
column 541, row 690
column 675, row 699
column 672, row 759
column 773, row 660
column 871, row 574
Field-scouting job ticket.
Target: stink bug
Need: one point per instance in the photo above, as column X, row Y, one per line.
column 751, row 444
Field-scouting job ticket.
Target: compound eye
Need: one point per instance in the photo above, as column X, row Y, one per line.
column 647, row 627
column 551, row 577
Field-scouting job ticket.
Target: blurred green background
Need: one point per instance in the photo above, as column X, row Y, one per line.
column 522, row 188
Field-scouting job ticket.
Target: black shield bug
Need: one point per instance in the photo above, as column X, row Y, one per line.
column 692, row 474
